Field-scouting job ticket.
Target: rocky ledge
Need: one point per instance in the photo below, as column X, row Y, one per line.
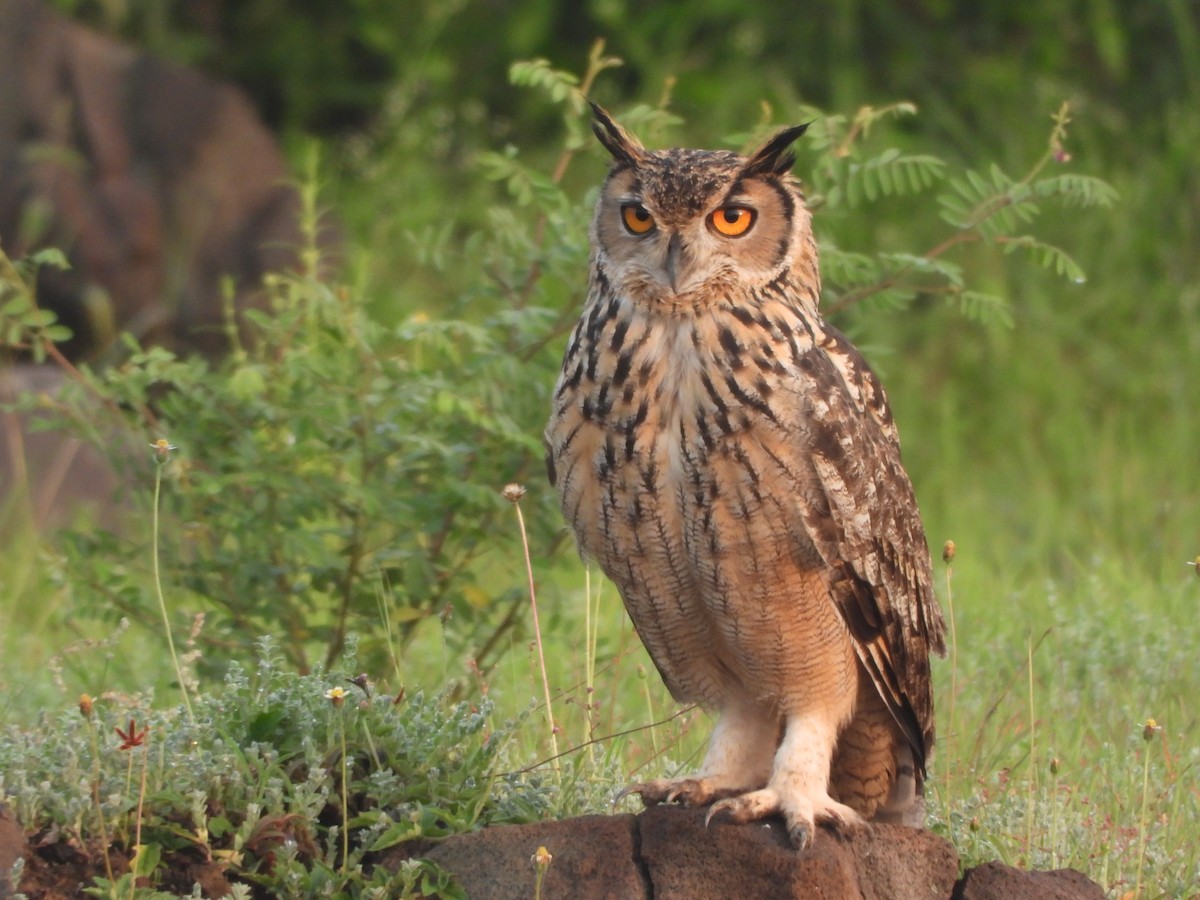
column 667, row 852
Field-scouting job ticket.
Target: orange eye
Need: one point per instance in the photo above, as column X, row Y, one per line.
column 732, row 221
column 637, row 218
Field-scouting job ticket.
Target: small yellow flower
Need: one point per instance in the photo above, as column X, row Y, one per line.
column 1150, row 729
column 162, row 449
column 336, row 696
column 948, row 551
column 85, row 705
column 1195, row 563
column 542, row 858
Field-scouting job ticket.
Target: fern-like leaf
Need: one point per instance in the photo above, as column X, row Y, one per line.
column 1049, row 256
column 987, row 309
column 891, row 173
column 846, row 269
column 1077, row 190
column 538, row 73
column 936, row 267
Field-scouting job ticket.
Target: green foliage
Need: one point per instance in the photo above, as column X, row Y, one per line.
column 254, row 780
column 328, row 466
column 1057, row 451
column 336, row 475
column 24, row 327
column 849, row 173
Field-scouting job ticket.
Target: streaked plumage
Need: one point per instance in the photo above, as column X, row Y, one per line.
column 731, row 463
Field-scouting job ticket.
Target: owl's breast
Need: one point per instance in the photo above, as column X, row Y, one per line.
column 656, row 458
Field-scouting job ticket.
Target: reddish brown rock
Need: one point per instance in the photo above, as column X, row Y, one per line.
column 12, row 847
column 667, row 852
column 886, row 862
column 594, row 858
column 996, row 881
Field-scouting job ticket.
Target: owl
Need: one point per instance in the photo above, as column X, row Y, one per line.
column 731, row 463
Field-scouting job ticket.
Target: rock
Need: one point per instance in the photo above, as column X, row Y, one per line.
column 996, row 881
column 12, row 847
column 594, row 858
column 886, row 862
column 156, row 181
column 667, row 852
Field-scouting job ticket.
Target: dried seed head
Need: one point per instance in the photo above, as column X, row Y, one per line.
column 86, row 705
column 1054, row 765
column 362, row 683
column 948, row 550
column 513, row 492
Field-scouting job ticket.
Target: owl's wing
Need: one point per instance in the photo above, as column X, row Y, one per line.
column 861, row 514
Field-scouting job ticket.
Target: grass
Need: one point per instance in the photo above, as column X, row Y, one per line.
column 1062, row 660
column 1058, row 456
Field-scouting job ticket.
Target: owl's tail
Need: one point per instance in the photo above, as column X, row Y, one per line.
column 873, row 770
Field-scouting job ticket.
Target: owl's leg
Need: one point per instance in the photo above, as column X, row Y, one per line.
column 799, row 785
column 739, row 759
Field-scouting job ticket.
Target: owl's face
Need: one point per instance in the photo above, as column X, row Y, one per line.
column 687, row 226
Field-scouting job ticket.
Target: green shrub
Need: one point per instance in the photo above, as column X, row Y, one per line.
column 253, row 778
column 334, row 474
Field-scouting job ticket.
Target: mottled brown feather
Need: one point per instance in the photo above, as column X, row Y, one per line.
column 731, row 463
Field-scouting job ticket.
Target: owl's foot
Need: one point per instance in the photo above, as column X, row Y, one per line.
column 688, row 791
column 801, row 813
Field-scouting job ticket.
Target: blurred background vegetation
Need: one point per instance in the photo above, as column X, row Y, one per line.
column 1059, row 453
column 1095, row 382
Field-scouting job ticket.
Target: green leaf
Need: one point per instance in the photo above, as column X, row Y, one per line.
column 146, row 858
column 1050, row 257
column 50, row 256
column 1077, row 190
column 397, row 833
column 987, row 309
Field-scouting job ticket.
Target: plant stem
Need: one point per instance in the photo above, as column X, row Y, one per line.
column 162, row 602
column 649, row 709
column 137, row 833
column 345, row 796
column 1141, row 854
column 950, row 731
column 537, row 633
column 1033, row 770
column 96, row 797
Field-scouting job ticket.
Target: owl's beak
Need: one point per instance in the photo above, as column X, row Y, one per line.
column 674, row 248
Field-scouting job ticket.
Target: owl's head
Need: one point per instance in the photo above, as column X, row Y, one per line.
column 689, row 227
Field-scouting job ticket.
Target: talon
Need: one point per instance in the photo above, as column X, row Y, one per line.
column 712, row 811
column 800, row 835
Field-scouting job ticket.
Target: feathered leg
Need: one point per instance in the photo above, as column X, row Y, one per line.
column 799, row 785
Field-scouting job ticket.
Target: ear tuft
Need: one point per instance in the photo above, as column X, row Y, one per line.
column 772, row 157
column 624, row 147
